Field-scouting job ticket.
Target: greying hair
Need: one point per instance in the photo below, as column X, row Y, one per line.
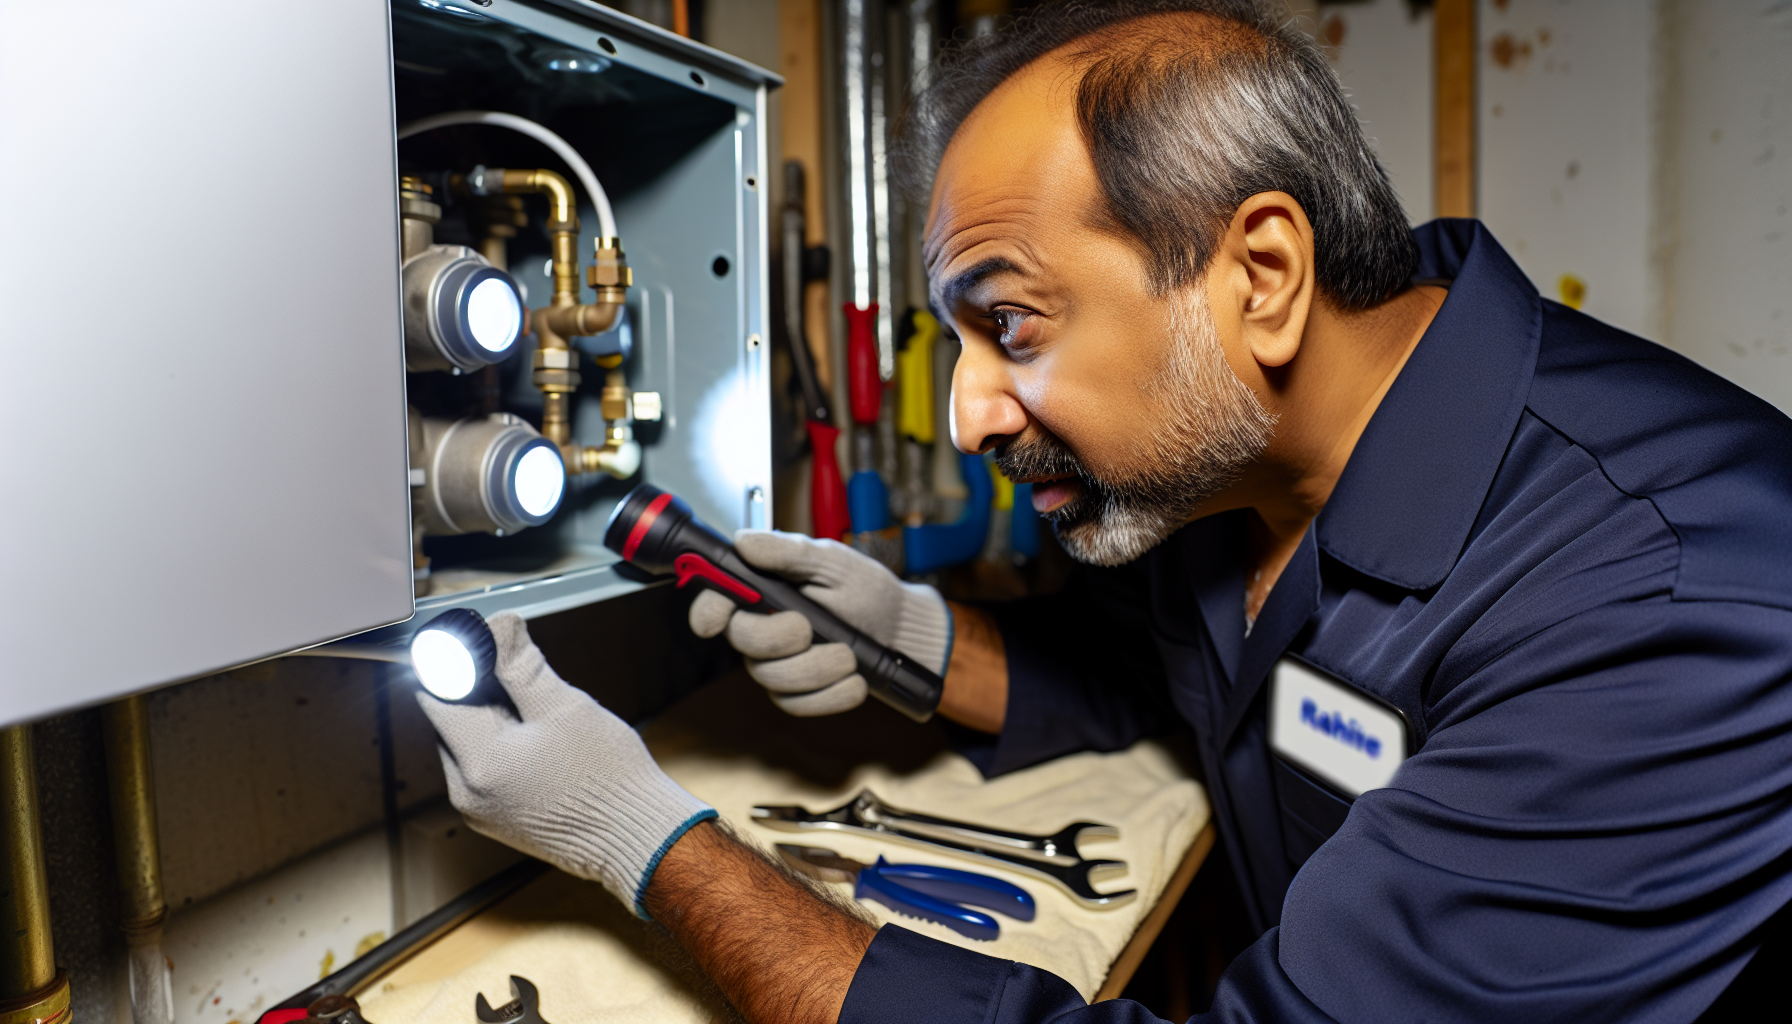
column 1184, row 126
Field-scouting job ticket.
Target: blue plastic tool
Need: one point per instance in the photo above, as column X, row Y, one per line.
column 867, row 502
column 927, row 548
column 941, row 895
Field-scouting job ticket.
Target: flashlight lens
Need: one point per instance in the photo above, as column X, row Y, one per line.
column 443, row 664
column 494, row 315
column 540, row 479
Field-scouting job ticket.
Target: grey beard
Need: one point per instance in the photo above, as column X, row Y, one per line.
column 1213, row 427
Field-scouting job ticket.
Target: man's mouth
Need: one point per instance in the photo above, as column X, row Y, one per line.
column 1052, row 495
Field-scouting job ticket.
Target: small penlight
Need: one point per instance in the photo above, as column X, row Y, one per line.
column 455, row 658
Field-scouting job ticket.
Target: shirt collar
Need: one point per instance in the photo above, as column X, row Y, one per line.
column 1409, row 495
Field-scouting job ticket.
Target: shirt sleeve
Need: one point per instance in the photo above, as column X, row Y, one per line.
column 906, row 977
column 1083, row 673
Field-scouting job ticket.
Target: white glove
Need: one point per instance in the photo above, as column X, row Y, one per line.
column 807, row 678
column 570, row 783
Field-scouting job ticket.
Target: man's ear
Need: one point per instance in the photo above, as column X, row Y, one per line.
column 1269, row 249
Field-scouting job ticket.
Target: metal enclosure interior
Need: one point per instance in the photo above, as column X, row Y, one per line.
column 675, row 132
column 205, row 394
column 202, row 401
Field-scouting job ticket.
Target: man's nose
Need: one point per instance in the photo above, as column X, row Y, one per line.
column 984, row 409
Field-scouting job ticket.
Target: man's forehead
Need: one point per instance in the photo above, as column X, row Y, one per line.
column 1023, row 144
column 1017, row 159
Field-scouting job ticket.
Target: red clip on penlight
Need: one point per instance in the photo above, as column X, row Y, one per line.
column 660, row 533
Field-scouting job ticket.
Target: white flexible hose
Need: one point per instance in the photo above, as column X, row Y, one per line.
column 606, row 219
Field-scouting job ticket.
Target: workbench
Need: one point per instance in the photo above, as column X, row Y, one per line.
column 592, row 958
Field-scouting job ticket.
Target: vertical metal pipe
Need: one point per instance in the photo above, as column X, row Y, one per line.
column 31, row 989
column 139, row 856
column 878, row 90
column 858, row 181
column 382, row 721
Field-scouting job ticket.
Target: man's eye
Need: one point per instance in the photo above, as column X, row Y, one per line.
column 1012, row 326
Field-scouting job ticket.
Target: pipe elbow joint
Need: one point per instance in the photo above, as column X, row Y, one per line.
column 620, row 459
column 579, row 321
column 565, row 208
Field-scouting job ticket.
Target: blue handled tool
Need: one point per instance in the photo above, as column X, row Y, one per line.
column 919, row 890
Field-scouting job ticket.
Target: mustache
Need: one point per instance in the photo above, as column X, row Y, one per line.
column 1041, row 454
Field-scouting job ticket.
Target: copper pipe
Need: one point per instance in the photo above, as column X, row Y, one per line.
column 31, row 988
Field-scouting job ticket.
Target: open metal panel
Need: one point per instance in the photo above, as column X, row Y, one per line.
column 675, row 132
column 203, row 395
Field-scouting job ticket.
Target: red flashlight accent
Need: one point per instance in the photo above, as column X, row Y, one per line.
column 645, row 523
column 689, row 567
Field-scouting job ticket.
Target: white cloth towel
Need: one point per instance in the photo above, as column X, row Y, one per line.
column 731, row 748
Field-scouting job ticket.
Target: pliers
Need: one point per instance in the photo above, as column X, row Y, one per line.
column 919, row 890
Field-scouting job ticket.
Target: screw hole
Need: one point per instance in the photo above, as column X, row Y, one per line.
column 753, row 183
column 720, row 266
column 605, row 45
column 695, row 77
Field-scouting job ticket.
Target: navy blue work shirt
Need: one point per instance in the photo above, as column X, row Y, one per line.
column 1565, row 555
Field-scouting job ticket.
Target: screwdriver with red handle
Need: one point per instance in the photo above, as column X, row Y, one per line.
column 827, row 491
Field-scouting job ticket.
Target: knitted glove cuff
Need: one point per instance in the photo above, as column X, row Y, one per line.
column 924, row 629
column 619, row 837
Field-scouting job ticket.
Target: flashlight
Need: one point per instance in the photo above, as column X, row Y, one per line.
column 456, row 659
column 658, row 532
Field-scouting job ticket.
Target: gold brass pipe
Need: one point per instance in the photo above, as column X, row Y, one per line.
column 138, row 854
column 556, row 364
column 556, row 368
column 31, row 988
column 134, row 815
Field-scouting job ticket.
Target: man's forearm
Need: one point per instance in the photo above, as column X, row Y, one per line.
column 777, row 951
column 977, row 679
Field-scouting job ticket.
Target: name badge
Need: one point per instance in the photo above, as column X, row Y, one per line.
column 1333, row 731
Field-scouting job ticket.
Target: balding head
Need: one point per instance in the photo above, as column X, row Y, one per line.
column 1186, row 109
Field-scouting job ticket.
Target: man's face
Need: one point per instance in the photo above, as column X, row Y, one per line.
column 1120, row 405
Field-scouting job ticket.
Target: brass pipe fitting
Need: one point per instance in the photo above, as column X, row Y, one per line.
column 563, row 212
column 47, row 1006
column 610, row 274
column 556, row 364
column 31, row 988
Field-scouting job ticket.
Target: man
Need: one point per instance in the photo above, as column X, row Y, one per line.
column 1324, row 474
